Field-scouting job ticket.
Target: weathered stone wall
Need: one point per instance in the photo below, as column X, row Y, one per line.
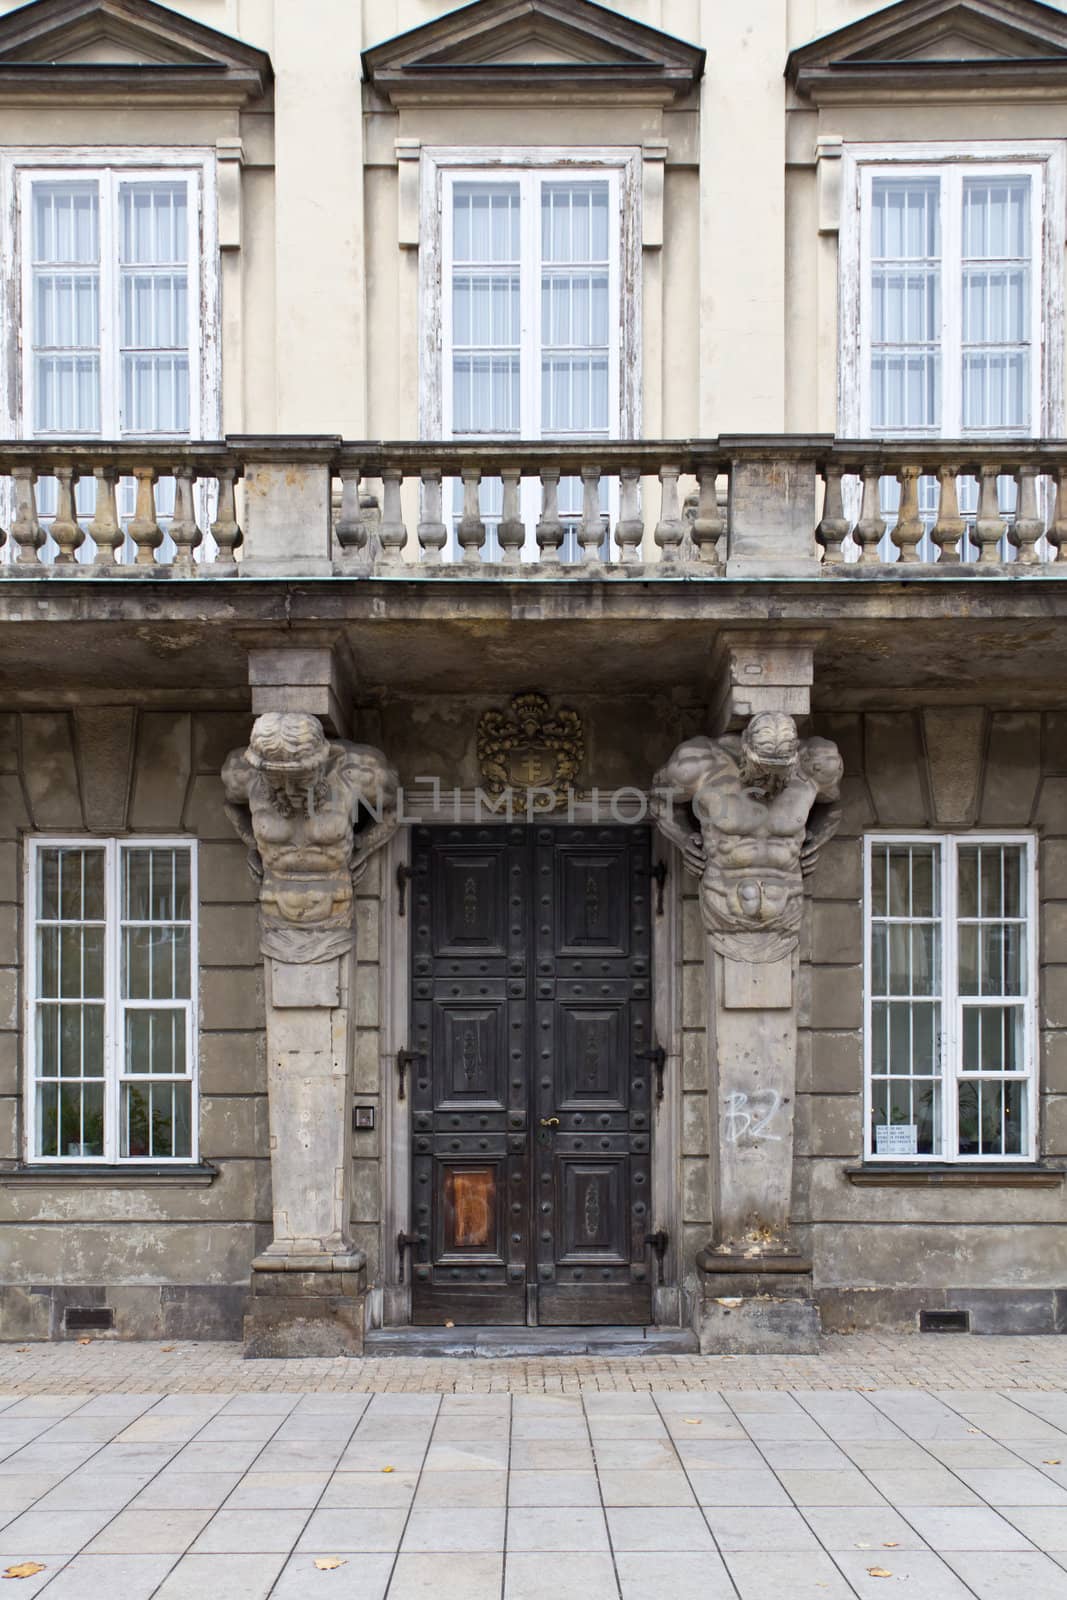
column 172, row 1259
column 883, row 1253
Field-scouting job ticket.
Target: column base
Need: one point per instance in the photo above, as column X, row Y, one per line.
column 756, row 1305
column 306, row 1306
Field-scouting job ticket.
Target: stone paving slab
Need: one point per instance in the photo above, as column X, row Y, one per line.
column 601, row 1494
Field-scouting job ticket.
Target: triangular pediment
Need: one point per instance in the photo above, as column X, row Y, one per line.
column 936, row 44
column 138, row 45
column 529, row 49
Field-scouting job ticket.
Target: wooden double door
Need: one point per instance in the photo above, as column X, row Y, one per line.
column 531, row 1079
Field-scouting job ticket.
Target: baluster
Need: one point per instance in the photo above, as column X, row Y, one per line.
column 630, row 529
column 26, row 530
column 393, row 532
column 591, row 527
column 669, row 528
column 511, row 532
column 105, row 530
column 833, row 528
column 549, row 527
column 708, row 524
column 471, row 532
column 66, row 529
column 432, row 532
column 350, row 528
column 144, row 528
column 184, row 529
column 225, row 529
column 909, row 529
column 989, row 524
column 870, row 529
column 950, row 528
column 1056, row 536
column 1028, row 524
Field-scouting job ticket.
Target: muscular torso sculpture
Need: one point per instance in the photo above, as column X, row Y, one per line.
column 762, row 802
column 295, row 798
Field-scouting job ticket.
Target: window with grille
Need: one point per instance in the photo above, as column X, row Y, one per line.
column 531, row 315
column 951, row 298
column 950, row 998
column 111, row 982
column 111, row 284
column 116, row 264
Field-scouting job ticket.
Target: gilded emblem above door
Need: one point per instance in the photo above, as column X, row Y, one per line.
column 532, row 750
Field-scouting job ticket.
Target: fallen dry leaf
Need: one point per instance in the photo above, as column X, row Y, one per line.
column 85, row 1341
column 22, row 1349
column 890, row 1544
column 1053, row 1461
column 166, row 1349
column 25, row 1569
column 694, row 1420
column 974, row 1430
column 387, row 1469
column 450, row 1324
column 879, row 1572
column 328, row 1563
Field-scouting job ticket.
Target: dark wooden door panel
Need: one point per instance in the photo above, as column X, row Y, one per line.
column 530, row 1103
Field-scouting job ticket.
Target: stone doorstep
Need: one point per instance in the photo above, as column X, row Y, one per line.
column 501, row 1343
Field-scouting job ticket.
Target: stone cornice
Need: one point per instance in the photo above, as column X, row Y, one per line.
column 159, row 56
column 529, row 51
column 951, row 49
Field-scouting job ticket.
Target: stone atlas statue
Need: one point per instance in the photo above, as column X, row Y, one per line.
column 763, row 804
column 297, row 800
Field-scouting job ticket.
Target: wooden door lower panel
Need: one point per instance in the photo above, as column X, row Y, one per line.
column 498, row 1305
column 572, row 1305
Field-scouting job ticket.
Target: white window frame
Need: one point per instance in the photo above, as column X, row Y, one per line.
column 1043, row 162
column 110, row 166
column 952, row 1003
column 443, row 166
column 115, row 1075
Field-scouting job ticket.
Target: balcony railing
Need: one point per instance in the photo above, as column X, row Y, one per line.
column 731, row 507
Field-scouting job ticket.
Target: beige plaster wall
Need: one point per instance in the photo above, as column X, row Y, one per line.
column 320, row 301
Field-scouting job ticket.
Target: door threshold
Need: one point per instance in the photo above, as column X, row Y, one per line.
column 499, row 1343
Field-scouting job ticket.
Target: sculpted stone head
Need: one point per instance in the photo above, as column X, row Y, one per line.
column 770, row 750
column 289, row 748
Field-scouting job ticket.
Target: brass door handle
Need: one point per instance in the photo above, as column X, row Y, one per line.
column 550, row 1122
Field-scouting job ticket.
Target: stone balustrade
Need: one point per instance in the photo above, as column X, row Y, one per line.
column 730, row 507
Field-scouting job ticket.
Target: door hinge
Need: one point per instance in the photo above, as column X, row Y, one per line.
column 405, row 1059
column 406, row 1241
column 404, row 875
column 659, row 878
column 658, row 1242
column 658, row 1057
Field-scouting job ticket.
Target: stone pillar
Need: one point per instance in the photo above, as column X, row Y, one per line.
column 750, row 812
column 298, row 799
column 288, row 523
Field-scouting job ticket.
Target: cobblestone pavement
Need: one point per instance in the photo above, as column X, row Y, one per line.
column 846, row 1361
column 608, row 1494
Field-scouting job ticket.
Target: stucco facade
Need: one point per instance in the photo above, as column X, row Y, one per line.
column 322, row 145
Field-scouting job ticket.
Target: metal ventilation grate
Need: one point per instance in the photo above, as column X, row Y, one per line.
column 944, row 1322
column 82, row 1319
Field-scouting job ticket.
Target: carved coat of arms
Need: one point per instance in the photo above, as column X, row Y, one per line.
column 532, row 750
